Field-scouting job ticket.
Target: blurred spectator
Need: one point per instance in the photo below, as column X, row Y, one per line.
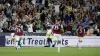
column 39, row 26
column 5, row 26
column 30, row 27
column 42, row 16
column 34, row 27
column 68, row 29
column 96, row 30
column 35, row 15
column 74, row 28
column 68, row 18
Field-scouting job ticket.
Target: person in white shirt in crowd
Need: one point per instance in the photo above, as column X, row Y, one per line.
column 33, row 2
column 30, row 27
column 57, row 5
column 96, row 30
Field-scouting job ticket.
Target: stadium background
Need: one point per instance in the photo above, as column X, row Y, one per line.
column 73, row 13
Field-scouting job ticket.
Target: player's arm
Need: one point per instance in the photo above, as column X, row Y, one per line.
column 21, row 27
column 9, row 28
column 46, row 34
column 52, row 29
column 52, row 32
column 85, row 32
column 13, row 39
column 12, row 36
column 77, row 31
column 62, row 30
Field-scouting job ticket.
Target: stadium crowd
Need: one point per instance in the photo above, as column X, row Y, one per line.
column 35, row 15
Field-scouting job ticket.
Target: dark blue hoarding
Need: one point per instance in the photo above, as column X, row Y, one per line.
column 2, row 41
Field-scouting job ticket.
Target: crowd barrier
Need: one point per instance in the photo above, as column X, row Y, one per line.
column 40, row 41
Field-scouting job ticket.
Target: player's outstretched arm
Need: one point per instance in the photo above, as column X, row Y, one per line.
column 77, row 31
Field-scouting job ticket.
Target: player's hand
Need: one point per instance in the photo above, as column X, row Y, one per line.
column 13, row 39
column 62, row 30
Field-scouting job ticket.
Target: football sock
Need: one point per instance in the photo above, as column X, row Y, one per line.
column 16, row 44
column 52, row 44
column 79, row 45
column 21, row 41
column 59, row 45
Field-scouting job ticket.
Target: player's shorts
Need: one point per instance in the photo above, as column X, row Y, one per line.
column 17, row 38
column 80, row 39
column 56, row 37
column 48, row 35
column 49, row 31
column 21, row 37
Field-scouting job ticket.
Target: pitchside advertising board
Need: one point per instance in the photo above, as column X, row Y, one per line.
column 2, row 40
column 40, row 41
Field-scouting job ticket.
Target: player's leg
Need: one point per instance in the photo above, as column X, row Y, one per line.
column 17, row 42
column 21, row 40
column 49, row 41
column 54, row 39
column 47, row 44
column 13, row 39
column 59, row 42
column 16, row 45
column 80, row 42
column 19, row 45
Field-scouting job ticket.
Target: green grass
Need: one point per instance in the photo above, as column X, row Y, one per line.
column 33, row 51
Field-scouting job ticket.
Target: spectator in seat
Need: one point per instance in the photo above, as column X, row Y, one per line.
column 74, row 28
column 39, row 26
column 68, row 18
column 42, row 16
column 68, row 29
column 96, row 30
column 30, row 27
column 88, row 32
column 34, row 27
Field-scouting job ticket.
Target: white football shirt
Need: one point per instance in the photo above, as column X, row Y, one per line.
column 30, row 27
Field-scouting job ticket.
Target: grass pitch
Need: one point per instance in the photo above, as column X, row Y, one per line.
column 43, row 51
